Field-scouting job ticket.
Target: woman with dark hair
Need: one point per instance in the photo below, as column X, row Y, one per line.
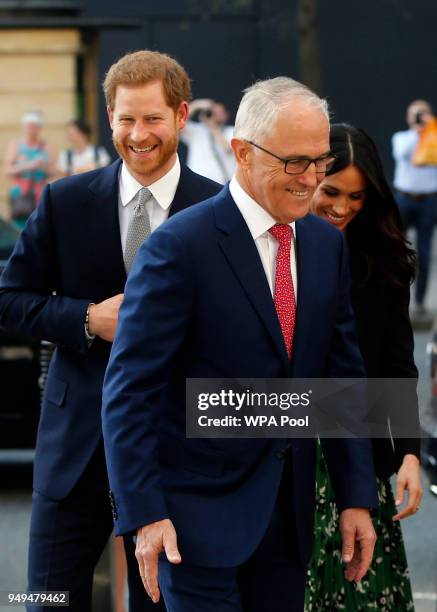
column 355, row 197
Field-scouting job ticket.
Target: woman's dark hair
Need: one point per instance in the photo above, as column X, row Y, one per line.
column 379, row 251
column 82, row 126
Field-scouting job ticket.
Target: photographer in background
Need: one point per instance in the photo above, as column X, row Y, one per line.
column 416, row 194
column 208, row 140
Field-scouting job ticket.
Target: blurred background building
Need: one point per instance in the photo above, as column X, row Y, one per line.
column 370, row 59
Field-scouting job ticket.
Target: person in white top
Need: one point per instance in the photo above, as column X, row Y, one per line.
column 82, row 156
column 209, row 140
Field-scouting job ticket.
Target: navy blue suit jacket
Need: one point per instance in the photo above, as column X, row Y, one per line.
column 198, row 305
column 71, row 245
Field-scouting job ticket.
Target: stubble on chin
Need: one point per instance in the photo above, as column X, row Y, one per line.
column 147, row 168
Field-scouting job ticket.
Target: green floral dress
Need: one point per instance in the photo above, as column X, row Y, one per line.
column 386, row 586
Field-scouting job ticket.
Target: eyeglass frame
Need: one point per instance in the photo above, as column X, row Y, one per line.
column 285, row 160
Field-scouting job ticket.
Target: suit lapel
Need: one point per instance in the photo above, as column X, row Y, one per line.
column 103, row 214
column 242, row 255
column 183, row 196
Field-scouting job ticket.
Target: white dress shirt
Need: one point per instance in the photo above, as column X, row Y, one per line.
column 163, row 191
column 259, row 221
column 408, row 177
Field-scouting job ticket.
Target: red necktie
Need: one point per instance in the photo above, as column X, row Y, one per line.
column 285, row 302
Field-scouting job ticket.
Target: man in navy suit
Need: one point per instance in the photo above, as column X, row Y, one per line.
column 244, row 285
column 65, row 283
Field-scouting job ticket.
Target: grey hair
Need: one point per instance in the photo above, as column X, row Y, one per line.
column 262, row 102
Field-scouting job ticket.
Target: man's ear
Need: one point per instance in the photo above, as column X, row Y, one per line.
column 110, row 116
column 182, row 115
column 242, row 151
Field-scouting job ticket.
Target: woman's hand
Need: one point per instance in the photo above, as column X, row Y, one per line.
column 408, row 479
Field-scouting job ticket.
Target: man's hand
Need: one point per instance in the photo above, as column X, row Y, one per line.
column 359, row 539
column 408, row 479
column 103, row 317
column 151, row 540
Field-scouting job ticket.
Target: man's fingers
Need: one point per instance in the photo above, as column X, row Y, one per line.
column 147, row 557
column 170, row 546
column 366, row 547
column 141, row 569
column 151, row 540
column 359, row 538
column 348, row 547
column 151, row 573
column 351, row 568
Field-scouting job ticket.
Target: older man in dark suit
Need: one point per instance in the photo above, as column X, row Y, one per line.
column 65, row 283
column 244, row 285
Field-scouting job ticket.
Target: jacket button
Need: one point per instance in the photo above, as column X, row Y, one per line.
column 280, row 454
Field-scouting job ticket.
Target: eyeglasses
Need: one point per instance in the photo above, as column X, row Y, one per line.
column 299, row 165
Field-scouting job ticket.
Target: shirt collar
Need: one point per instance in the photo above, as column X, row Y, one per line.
column 258, row 220
column 163, row 190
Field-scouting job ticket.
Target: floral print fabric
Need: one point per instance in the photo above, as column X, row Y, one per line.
column 386, row 587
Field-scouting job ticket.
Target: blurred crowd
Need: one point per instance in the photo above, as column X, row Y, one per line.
column 31, row 162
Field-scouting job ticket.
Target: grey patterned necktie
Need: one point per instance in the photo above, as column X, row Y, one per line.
column 139, row 227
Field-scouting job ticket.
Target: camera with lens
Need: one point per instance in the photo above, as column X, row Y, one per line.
column 420, row 118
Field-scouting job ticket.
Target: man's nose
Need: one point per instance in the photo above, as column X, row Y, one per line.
column 139, row 132
column 310, row 177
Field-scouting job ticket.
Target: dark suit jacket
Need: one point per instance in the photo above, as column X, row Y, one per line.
column 387, row 346
column 198, row 305
column 71, row 245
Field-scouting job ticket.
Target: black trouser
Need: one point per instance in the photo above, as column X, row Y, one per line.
column 419, row 212
column 271, row 580
column 67, row 538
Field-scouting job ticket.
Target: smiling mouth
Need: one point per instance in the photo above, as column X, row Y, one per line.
column 299, row 194
column 142, row 150
column 334, row 218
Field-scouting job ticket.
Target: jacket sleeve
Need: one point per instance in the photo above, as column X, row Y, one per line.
column 141, row 361
column 349, row 459
column 28, row 300
column 399, row 364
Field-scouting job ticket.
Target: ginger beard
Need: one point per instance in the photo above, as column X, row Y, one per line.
column 145, row 129
column 147, row 163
